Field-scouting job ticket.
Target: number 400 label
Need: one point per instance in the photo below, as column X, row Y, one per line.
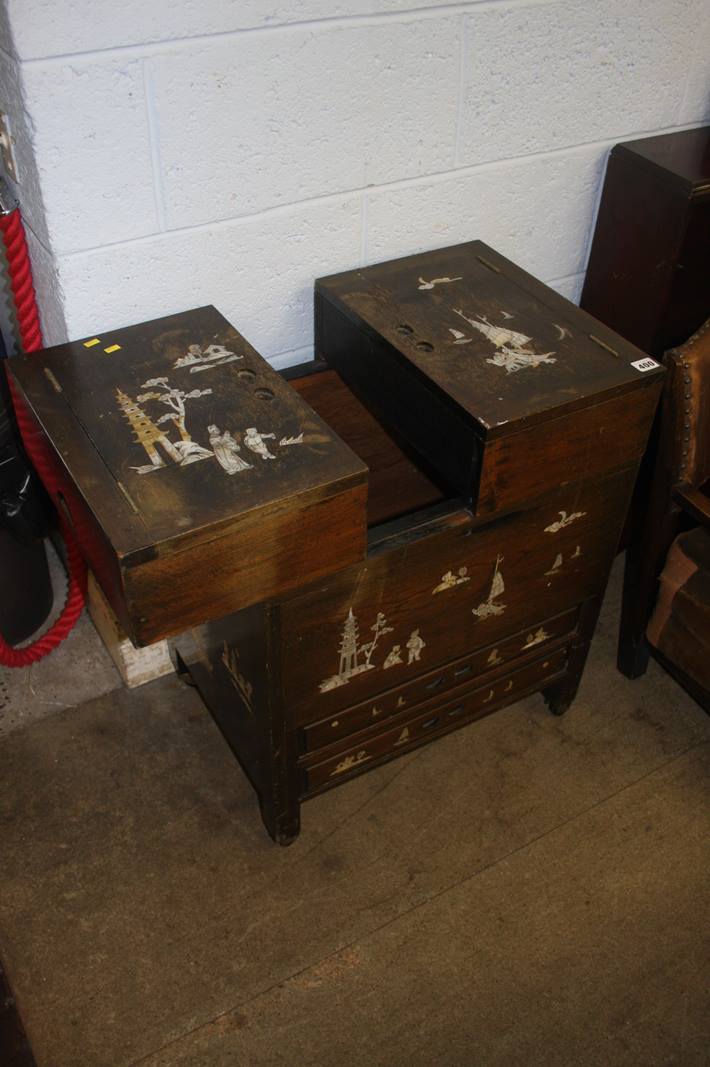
column 645, row 364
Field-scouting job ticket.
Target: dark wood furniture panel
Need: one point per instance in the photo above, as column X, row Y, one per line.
column 649, row 268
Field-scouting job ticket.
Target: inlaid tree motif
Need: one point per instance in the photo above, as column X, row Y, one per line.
column 174, row 399
column 379, row 628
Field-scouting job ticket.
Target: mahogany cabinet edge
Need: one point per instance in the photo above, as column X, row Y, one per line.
column 205, row 535
column 155, row 581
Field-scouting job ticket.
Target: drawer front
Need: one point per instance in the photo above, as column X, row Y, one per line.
column 412, row 607
column 488, row 660
column 521, row 467
column 439, row 718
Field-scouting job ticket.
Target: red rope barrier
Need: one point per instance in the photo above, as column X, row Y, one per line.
column 20, row 271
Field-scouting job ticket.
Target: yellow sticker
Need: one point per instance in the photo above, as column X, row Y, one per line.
column 90, row 344
column 112, row 348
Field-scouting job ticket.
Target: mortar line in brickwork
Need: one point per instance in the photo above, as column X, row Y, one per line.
column 363, row 229
column 413, row 14
column 463, row 38
column 399, row 183
column 152, row 121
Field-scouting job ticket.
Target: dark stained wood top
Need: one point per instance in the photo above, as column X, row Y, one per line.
column 153, row 425
column 683, row 156
column 488, row 338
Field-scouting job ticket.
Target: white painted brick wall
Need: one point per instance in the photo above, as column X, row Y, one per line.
column 230, row 151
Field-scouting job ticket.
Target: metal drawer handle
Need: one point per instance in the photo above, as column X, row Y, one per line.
column 463, row 670
column 430, row 722
column 457, row 710
column 436, row 683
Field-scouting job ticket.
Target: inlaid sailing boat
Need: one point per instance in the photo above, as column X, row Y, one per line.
column 513, row 353
column 488, row 606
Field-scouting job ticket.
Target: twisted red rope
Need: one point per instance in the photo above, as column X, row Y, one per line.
column 20, row 271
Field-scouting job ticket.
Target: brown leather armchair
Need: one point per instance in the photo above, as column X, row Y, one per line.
column 666, row 599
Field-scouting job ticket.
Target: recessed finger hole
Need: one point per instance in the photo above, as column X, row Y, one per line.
column 424, row 346
column 246, row 374
column 404, row 328
column 264, row 394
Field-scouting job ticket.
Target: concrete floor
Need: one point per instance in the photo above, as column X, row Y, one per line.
column 527, row 891
column 78, row 670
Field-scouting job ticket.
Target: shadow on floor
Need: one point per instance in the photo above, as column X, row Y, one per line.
column 529, row 890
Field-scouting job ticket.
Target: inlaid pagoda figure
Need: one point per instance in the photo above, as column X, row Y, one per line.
column 355, row 658
column 348, row 646
column 147, row 434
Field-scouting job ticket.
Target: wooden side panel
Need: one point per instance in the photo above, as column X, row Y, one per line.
column 586, row 443
column 636, row 241
column 235, row 664
column 261, row 558
column 689, row 302
column 228, row 662
column 443, row 439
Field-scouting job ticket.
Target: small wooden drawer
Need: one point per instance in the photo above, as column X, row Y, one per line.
column 432, row 721
column 428, row 686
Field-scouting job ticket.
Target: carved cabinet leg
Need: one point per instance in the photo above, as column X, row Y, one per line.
column 560, row 695
column 644, row 562
column 283, row 823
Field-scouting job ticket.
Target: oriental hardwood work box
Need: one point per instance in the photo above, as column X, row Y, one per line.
column 369, row 550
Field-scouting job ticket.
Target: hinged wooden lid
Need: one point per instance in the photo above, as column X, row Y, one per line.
column 176, row 434
column 502, row 350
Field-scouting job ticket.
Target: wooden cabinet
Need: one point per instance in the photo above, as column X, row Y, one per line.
column 377, row 547
column 649, row 268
